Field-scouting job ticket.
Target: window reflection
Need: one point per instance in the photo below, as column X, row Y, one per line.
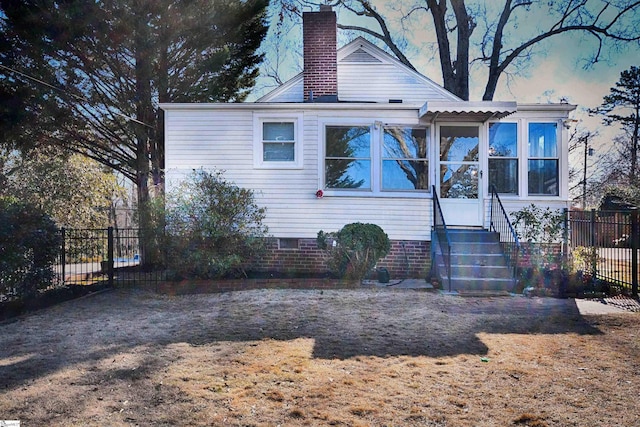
column 404, row 163
column 543, row 164
column 459, row 181
column 503, row 157
column 459, row 143
column 348, row 157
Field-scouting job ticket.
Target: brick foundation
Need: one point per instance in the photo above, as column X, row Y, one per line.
column 552, row 254
column 407, row 259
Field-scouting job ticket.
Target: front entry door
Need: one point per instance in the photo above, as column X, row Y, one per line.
column 460, row 175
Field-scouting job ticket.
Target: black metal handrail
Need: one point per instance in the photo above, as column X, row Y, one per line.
column 501, row 224
column 444, row 241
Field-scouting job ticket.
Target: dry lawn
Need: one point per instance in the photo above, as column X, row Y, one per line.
column 370, row 357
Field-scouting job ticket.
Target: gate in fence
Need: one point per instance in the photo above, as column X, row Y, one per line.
column 92, row 256
column 605, row 244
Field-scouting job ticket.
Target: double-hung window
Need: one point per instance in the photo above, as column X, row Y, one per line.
column 404, row 159
column 543, row 176
column 503, row 157
column 277, row 141
column 348, row 157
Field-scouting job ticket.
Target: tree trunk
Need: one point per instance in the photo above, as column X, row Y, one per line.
column 633, row 178
column 438, row 11
column 145, row 141
column 461, row 63
column 455, row 72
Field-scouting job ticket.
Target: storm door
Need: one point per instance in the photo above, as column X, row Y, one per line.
column 460, row 174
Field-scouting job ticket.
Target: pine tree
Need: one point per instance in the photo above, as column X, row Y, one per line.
column 88, row 76
column 622, row 106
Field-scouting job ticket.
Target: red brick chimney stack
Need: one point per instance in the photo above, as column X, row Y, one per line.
column 319, row 31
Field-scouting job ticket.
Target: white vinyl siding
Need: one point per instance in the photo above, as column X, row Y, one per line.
column 359, row 82
column 262, row 123
column 221, row 137
column 513, row 205
column 368, row 74
column 370, row 82
column 218, row 139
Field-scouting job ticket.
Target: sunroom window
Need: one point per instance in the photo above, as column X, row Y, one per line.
column 348, row 157
column 503, row 157
column 543, row 159
column 404, row 159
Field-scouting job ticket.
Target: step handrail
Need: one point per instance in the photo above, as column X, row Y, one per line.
column 500, row 223
column 444, row 241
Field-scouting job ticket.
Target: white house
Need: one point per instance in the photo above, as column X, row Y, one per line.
column 376, row 138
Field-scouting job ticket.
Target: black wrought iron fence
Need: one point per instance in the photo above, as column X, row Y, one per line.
column 605, row 244
column 114, row 256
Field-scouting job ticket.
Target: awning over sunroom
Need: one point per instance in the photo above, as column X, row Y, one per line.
column 475, row 111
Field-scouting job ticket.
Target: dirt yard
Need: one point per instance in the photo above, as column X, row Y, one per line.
column 370, row 357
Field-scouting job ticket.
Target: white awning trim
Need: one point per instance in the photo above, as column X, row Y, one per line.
column 474, row 110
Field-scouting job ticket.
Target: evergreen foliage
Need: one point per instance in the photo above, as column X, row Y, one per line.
column 103, row 67
column 29, row 245
column 357, row 249
column 622, row 106
column 75, row 191
column 213, row 228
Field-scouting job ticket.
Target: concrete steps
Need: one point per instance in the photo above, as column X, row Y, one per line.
column 477, row 262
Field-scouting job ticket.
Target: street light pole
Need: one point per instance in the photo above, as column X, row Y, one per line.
column 587, row 152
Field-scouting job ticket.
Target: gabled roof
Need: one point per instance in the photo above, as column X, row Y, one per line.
column 360, row 54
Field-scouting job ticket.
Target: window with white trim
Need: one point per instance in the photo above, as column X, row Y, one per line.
column 277, row 141
column 377, row 159
column 348, row 157
column 503, row 157
column 543, row 161
column 404, row 159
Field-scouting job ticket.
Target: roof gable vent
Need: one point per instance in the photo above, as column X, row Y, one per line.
column 360, row 55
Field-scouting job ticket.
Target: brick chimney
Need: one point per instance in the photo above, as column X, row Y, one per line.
column 320, row 55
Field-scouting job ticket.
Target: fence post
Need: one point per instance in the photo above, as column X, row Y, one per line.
column 565, row 238
column 635, row 245
column 110, row 255
column 592, row 243
column 63, row 255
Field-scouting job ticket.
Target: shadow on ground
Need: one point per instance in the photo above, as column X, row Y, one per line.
column 343, row 324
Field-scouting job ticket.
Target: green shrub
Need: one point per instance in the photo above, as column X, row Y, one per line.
column 540, row 229
column 585, row 258
column 213, row 228
column 30, row 243
column 355, row 249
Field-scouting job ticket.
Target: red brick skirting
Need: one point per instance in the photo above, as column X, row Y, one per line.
column 407, row 258
column 187, row 287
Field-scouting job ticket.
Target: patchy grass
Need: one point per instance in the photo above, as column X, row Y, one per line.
column 292, row 357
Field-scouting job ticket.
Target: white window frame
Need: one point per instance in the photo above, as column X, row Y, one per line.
column 558, row 157
column 258, row 149
column 518, row 158
column 376, row 126
column 426, row 159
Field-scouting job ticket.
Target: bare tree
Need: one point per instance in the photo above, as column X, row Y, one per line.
column 500, row 36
